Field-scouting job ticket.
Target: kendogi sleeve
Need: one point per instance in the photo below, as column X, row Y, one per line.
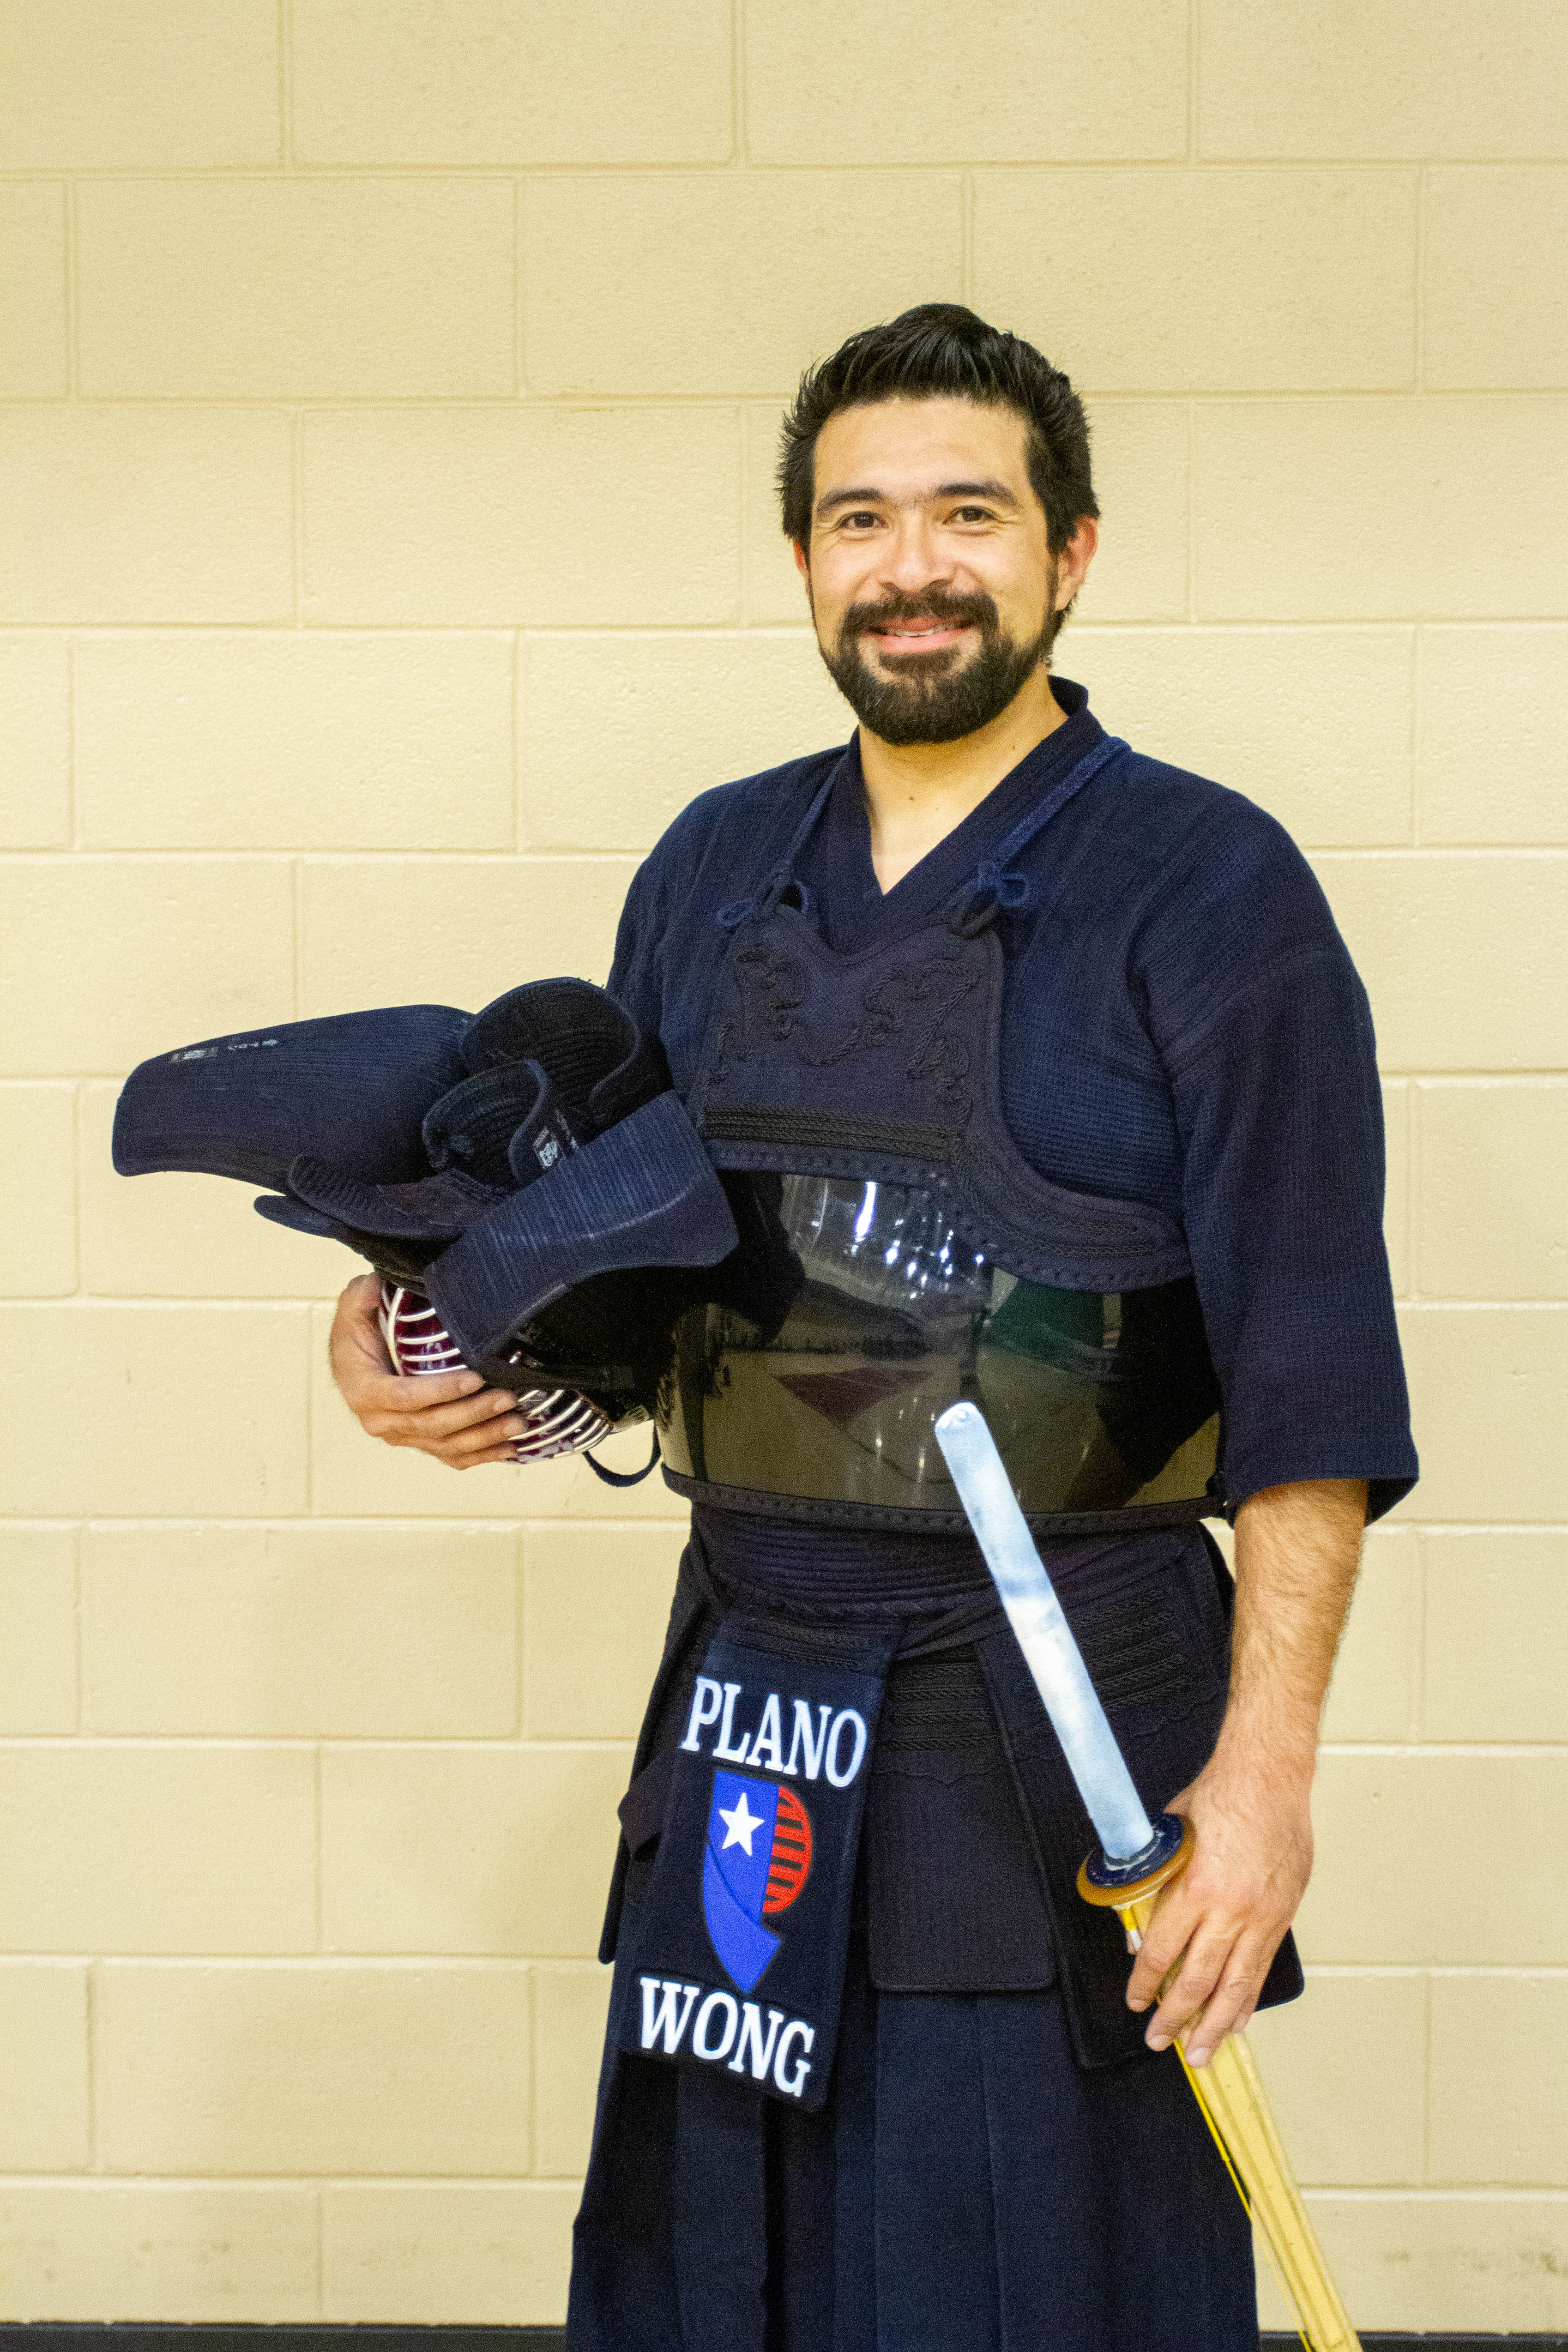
column 1265, row 1034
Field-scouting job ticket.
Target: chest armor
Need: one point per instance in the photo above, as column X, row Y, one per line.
column 899, row 1253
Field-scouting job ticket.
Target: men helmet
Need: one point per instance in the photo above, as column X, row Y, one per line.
column 524, row 1179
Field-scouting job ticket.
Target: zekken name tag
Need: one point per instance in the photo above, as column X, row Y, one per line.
column 740, row 1947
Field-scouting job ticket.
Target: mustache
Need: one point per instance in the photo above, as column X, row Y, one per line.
column 973, row 611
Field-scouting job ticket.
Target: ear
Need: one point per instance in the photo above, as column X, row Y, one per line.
column 1075, row 559
column 801, row 562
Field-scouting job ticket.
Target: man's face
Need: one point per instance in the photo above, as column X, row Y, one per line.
column 931, row 581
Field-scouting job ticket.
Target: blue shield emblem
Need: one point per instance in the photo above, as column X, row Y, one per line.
column 754, row 1862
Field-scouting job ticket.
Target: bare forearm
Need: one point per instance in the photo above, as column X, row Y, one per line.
column 1297, row 1550
column 1296, row 1554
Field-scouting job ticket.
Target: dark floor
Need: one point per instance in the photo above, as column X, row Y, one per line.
column 130, row 2336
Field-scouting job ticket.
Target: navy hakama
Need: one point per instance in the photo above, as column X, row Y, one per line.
column 999, row 2164
column 968, row 2188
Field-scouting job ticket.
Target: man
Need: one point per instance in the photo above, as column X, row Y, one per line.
column 1107, row 1005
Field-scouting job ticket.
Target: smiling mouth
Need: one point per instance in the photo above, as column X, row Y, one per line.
column 917, row 636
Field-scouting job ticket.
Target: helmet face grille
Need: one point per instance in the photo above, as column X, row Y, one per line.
column 560, row 1422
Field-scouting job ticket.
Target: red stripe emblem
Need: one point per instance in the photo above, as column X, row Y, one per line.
column 789, row 1862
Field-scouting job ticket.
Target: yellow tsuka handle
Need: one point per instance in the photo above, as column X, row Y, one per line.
column 1232, row 2100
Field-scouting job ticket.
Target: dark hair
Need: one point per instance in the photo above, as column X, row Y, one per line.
column 941, row 351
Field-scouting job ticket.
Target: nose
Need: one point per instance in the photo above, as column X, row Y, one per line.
column 912, row 560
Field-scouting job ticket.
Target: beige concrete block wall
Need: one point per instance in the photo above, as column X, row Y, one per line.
column 390, row 390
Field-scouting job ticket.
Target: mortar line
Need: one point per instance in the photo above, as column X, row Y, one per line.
column 531, row 1996
column 73, row 822
column 1418, row 1677
column 1425, row 2078
column 73, row 307
column 1412, row 1204
column 746, row 514
column 1422, row 1751
column 1362, row 2192
column 519, row 346
column 78, row 1644
column 297, row 917
column 309, row 1512
column 1195, row 41
column 320, row 1873
column 167, row 2183
column 1419, row 305
column 435, row 1523
column 432, row 1524
column 334, row 1743
column 1499, row 1751
column 519, row 1631
column 1430, row 1971
column 515, row 739
column 629, row 396
column 286, row 84
column 1192, row 581
column 297, row 511
column 703, row 167
column 1417, row 663
column 371, row 1961
column 78, row 1163
column 1103, row 625
column 94, row 2073
column 743, row 509
column 1488, row 2193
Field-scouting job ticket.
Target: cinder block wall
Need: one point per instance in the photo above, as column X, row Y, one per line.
column 390, row 553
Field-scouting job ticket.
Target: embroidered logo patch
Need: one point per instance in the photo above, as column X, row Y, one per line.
column 755, row 1862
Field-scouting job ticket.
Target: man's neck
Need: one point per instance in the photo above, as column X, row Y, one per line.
column 917, row 793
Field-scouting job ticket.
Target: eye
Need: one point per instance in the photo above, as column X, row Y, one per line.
column 863, row 518
column 973, row 514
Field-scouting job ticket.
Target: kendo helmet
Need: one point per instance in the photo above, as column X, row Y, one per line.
column 524, row 1179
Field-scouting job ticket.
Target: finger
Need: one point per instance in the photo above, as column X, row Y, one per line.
column 1152, row 1965
column 477, row 1421
column 474, row 1461
column 357, row 1352
column 487, row 1437
column 455, row 1433
column 430, row 1418
column 1231, row 2005
column 1205, row 1963
column 412, row 1397
column 1164, row 1941
column 355, row 1318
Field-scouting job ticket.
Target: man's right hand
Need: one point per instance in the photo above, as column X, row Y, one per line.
column 451, row 1416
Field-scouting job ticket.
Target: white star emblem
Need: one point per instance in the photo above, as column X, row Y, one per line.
column 743, row 1823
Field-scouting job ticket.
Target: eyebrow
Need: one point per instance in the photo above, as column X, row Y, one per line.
column 998, row 493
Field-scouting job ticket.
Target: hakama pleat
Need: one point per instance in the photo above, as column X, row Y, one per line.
column 967, row 2188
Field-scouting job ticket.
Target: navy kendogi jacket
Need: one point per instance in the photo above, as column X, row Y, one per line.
column 1182, row 1025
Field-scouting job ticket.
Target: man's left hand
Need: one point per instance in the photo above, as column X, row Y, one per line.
column 1223, row 1920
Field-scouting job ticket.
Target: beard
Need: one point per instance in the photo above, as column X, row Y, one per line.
column 934, row 698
